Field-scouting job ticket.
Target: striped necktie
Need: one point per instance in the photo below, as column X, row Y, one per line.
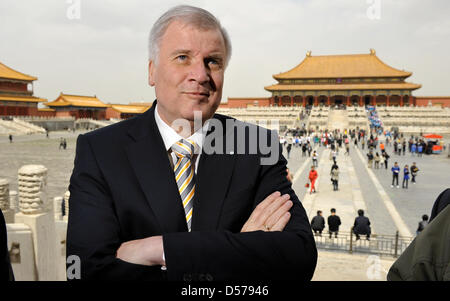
column 184, row 175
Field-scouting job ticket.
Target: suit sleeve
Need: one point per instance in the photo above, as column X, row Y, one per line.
column 93, row 231
column 287, row 255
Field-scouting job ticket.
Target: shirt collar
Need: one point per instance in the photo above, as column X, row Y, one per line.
column 170, row 136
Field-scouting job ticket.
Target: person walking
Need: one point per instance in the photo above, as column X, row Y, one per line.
column 405, row 176
column 10, row 138
column 369, row 159
column 386, row 158
column 361, row 225
column 309, row 149
column 395, row 171
column 335, row 176
column 419, row 150
column 422, row 224
column 333, row 223
column 304, row 150
column 312, row 178
column 288, row 149
column 318, row 223
column 314, row 158
column 414, row 171
column 413, row 149
column 377, row 161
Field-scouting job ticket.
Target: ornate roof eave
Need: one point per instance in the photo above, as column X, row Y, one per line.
column 338, row 87
column 342, row 66
column 11, row 74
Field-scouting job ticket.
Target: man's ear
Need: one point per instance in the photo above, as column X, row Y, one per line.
column 151, row 70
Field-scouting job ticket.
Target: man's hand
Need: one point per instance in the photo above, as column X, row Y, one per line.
column 272, row 214
column 147, row 251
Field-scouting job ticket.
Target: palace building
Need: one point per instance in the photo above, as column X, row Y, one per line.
column 78, row 106
column 351, row 80
column 16, row 93
column 120, row 111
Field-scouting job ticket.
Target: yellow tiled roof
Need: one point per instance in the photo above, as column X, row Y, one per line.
column 342, row 66
column 130, row 109
column 6, row 72
column 21, row 98
column 65, row 100
column 386, row 86
column 46, row 110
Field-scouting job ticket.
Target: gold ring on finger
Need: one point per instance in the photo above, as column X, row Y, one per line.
column 267, row 227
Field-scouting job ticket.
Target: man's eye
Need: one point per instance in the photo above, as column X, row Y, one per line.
column 213, row 62
column 182, row 57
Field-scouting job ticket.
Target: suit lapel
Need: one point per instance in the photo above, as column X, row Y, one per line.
column 213, row 178
column 148, row 157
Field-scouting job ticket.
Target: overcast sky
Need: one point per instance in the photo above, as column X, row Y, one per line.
column 104, row 52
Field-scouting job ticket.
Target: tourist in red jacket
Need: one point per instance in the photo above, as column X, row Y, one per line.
column 312, row 177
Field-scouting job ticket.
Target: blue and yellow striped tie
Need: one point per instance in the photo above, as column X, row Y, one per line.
column 184, row 175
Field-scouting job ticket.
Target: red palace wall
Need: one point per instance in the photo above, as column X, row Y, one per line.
column 435, row 100
column 111, row 113
column 245, row 102
column 17, row 111
column 14, row 87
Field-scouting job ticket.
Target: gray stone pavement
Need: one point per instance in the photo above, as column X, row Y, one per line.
column 381, row 222
column 37, row 149
column 418, row 199
column 342, row 266
column 344, row 200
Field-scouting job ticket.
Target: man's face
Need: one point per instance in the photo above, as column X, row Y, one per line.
column 189, row 72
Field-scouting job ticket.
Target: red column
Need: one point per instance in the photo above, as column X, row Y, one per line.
column 360, row 101
column 316, row 101
column 292, row 101
column 374, row 101
column 401, row 100
column 348, row 101
column 328, row 100
column 387, row 100
column 304, row 101
column 279, row 100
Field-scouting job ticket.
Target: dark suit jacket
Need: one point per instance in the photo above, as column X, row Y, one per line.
column 123, row 188
column 361, row 225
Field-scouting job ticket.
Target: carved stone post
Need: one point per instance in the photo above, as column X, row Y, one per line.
column 35, row 211
column 4, row 201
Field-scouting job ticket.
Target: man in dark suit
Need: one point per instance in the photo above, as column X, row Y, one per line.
column 149, row 201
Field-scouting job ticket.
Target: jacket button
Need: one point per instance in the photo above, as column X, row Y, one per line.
column 209, row 277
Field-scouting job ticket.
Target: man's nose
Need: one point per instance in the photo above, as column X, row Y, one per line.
column 199, row 72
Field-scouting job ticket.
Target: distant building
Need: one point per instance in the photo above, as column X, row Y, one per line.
column 78, row 106
column 16, row 93
column 351, row 79
column 119, row 111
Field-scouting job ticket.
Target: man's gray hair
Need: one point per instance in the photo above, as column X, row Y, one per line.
column 189, row 15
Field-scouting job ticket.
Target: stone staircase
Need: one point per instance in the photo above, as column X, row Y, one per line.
column 337, row 119
column 18, row 127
